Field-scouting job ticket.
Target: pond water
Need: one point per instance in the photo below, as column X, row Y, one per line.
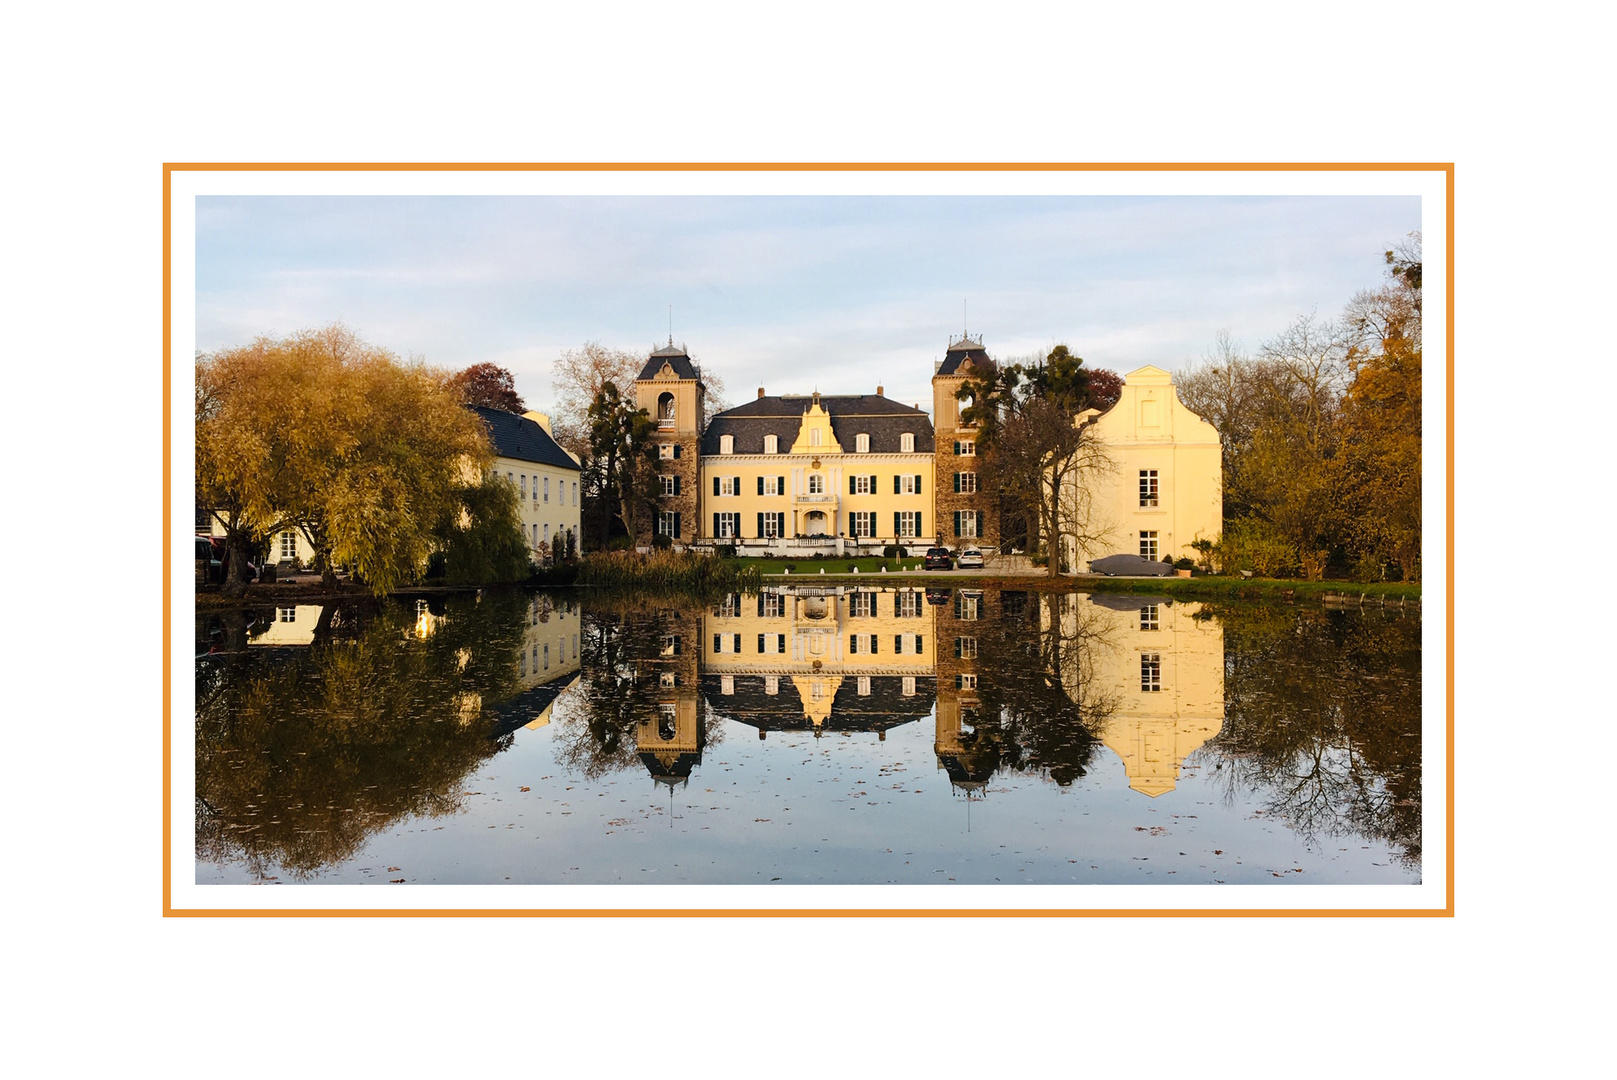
column 808, row 736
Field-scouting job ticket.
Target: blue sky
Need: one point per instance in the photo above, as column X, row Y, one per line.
column 836, row 293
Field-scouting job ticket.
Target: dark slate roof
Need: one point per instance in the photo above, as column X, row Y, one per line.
column 518, row 712
column 883, row 419
column 520, row 438
column 885, row 707
column 961, row 350
column 675, row 357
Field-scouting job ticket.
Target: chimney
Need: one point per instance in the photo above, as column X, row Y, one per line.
column 542, row 419
column 881, row 391
column 760, row 391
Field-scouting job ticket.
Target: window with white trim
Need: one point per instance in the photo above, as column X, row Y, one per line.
column 547, row 489
column 965, row 482
column 861, row 605
column 965, row 448
column 665, row 451
column 1150, row 673
column 667, row 522
column 771, row 684
column 909, row 523
column 671, row 645
column 907, row 687
column 289, row 544
column 523, row 480
column 667, row 485
column 906, row 443
column 288, row 614
column 729, row 485
column 773, row 605
column 864, row 686
column 772, row 483
column 727, row 684
column 965, row 648
column 816, row 484
column 964, row 681
column 729, row 525
column 1148, row 545
column 547, row 532
column 864, row 485
column 771, row 446
column 965, row 524
column 862, row 523
column 727, row 444
column 727, row 643
column 861, row 444
column 1149, row 619
column 1148, row 487
column 909, row 604
column 907, row 483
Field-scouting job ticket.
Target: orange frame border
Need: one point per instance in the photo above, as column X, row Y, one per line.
column 1447, row 168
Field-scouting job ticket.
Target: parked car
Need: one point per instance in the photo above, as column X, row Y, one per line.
column 1130, row 566
column 222, row 554
column 970, row 559
column 937, row 558
column 209, row 569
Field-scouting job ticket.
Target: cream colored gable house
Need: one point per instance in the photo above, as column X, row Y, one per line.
column 544, row 475
column 1165, row 485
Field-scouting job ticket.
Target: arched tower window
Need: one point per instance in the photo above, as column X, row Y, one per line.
column 665, row 410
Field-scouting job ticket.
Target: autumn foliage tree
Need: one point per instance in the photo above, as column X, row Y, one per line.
column 490, row 386
column 319, row 431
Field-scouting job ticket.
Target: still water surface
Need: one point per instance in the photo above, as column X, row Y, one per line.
column 809, row 736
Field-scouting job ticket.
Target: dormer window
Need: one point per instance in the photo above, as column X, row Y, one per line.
column 771, row 444
column 906, row 443
column 727, row 444
column 862, row 443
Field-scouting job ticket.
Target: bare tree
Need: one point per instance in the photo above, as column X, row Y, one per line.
column 577, row 379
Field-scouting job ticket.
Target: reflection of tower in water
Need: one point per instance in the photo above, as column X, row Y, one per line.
column 670, row 737
column 968, row 752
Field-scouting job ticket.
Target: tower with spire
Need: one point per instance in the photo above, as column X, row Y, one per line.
column 670, row 389
column 965, row 512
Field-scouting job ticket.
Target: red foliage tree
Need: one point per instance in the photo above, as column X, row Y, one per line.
column 1105, row 387
column 491, row 386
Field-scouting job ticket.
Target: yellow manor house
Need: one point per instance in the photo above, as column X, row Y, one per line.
column 851, row 474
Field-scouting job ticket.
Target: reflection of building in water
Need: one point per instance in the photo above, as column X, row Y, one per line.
column 1162, row 668
column 545, row 662
column 293, row 624
column 670, row 738
column 852, row 658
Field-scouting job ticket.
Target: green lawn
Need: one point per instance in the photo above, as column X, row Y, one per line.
column 872, row 565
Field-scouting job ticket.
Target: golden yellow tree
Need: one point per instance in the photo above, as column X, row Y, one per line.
column 363, row 453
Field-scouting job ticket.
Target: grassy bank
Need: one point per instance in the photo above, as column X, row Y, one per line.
column 1235, row 588
column 667, row 571
column 873, row 564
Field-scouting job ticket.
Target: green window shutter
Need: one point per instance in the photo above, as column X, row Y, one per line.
column 760, row 485
column 716, row 645
column 957, row 648
column 898, row 643
column 676, row 451
column 676, row 485
column 760, row 519
column 780, row 644
column 780, row 485
column 917, row 483
column 760, row 614
column 760, row 643
column 918, row 642
column 898, row 483
column 853, row 644
column 676, row 522
column 957, row 448
column 957, row 482
column 895, row 524
column 852, row 480
column 715, row 485
column 957, row 523
column 874, row 648
column 715, row 526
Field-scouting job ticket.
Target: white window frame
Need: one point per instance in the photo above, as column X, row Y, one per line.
column 1150, row 493
column 727, row 444
column 523, row 480
column 863, row 522
column 906, row 484
column 665, row 522
column 861, row 443
column 906, row 443
column 772, row 526
column 814, row 437
column 772, row 483
column 547, row 489
column 1150, row 673
column 289, row 544
column 771, row 444
column 864, row 485
column 1148, row 545
column 968, row 448
column 816, row 483
column 908, row 526
column 667, row 485
column 729, row 485
column 968, row 524
column 665, row 451
column 729, row 526
column 968, row 483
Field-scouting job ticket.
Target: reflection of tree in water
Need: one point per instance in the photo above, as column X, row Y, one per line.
column 1322, row 719
column 1038, row 708
column 303, row 752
